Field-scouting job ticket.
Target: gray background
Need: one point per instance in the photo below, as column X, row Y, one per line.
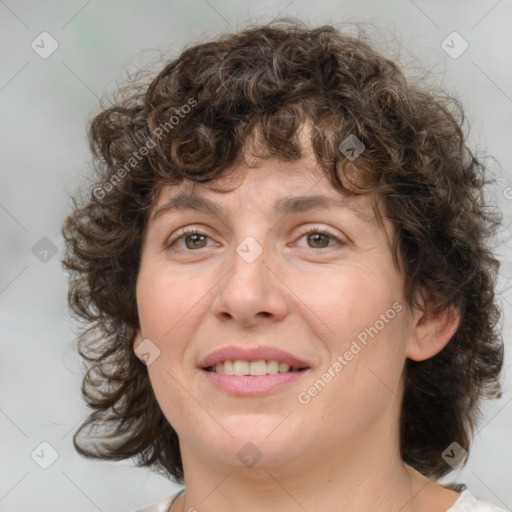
column 45, row 105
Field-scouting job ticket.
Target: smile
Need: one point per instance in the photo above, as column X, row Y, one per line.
column 254, row 368
column 252, row 385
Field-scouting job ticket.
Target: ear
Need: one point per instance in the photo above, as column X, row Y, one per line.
column 432, row 332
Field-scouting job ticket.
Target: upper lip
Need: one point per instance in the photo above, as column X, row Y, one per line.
column 233, row 353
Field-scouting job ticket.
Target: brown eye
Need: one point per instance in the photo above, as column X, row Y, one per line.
column 320, row 240
column 196, row 240
column 193, row 239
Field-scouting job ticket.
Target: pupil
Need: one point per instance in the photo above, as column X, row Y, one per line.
column 315, row 238
column 194, row 238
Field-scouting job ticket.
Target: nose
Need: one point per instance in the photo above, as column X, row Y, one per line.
column 251, row 292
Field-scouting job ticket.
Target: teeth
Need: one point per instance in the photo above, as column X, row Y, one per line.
column 252, row 368
column 272, row 367
column 258, row 368
column 228, row 368
column 283, row 367
column 240, row 368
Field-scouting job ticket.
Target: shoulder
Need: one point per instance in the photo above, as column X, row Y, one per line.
column 162, row 505
column 468, row 503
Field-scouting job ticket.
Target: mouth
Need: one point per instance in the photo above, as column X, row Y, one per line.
column 253, row 385
column 258, row 368
column 252, row 372
column 256, row 361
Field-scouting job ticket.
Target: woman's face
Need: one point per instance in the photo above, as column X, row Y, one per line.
column 317, row 282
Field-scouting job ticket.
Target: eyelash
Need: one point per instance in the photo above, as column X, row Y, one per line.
column 310, row 230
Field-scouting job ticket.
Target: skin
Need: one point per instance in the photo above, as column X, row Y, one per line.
column 309, row 296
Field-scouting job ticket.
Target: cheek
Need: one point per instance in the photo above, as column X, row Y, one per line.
column 347, row 301
column 361, row 323
column 170, row 308
column 360, row 381
column 167, row 302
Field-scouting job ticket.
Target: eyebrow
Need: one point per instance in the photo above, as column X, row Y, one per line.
column 285, row 205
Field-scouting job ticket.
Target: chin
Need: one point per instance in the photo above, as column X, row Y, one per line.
column 257, row 441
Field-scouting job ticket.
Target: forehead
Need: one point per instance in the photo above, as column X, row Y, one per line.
column 274, row 191
column 278, row 187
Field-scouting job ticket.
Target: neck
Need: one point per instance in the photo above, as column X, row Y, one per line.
column 356, row 475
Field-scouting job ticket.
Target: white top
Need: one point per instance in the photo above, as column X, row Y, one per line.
column 160, row 506
column 465, row 503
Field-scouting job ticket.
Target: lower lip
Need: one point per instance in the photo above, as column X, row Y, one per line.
column 247, row 385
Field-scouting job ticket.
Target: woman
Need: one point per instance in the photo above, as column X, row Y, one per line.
column 292, row 239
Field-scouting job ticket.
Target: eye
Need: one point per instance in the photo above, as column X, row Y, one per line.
column 193, row 239
column 319, row 238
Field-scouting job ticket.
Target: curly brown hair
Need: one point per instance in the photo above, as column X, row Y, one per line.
column 192, row 122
